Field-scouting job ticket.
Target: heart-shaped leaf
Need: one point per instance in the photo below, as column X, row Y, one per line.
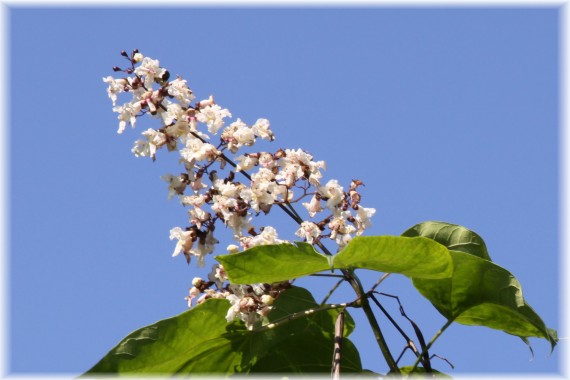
column 453, row 236
column 273, row 263
column 484, row 294
column 418, row 256
column 200, row 340
column 479, row 292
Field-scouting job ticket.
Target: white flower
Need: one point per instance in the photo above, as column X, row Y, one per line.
column 221, row 273
column 197, row 184
column 261, row 129
column 266, row 160
column 288, row 175
column 238, row 134
column 176, row 185
column 341, row 231
column 264, row 190
column 116, row 86
column 127, row 113
column 309, row 231
column 238, row 223
column 362, row 220
column 218, row 275
column 246, row 162
column 150, row 69
column 244, row 136
column 213, row 116
column 205, row 247
column 180, row 91
column 227, row 189
column 334, row 192
column 263, row 175
column 314, row 206
column 154, row 140
column 267, row 237
column 234, row 309
column 196, row 150
column 198, row 216
column 224, row 205
column 299, row 164
column 173, row 112
column 192, row 293
column 141, row 148
column 185, row 240
column 206, row 102
column 193, row 200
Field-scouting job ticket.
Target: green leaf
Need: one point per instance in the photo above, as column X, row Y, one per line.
column 309, row 346
column 314, row 357
column 484, row 294
column 175, row 343
column 201, row 341
column 297, row 299
column 273, row 263
column 453, row 236
column 418, row 256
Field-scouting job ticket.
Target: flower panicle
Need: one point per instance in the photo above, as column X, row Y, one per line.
column 221, row 181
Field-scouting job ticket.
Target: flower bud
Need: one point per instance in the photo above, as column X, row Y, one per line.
column 266, row 299
column 232, row 248
column 197, row 282
column 137, row 57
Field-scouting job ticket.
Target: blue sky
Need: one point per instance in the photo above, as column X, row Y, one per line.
column 445, row 114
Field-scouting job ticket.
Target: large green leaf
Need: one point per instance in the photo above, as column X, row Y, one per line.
column 201, row 341
column 309, row 347
column 453, row 236
column 297, row 299
column 484, row 294
column 171, row 344
column 418, row 257
column 479, row 292
column 273, row 263
column 314, row 357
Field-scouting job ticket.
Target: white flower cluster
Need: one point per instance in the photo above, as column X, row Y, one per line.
column 249, row 303
column 208, row 186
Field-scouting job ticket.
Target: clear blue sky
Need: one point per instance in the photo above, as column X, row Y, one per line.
column 445, row 114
